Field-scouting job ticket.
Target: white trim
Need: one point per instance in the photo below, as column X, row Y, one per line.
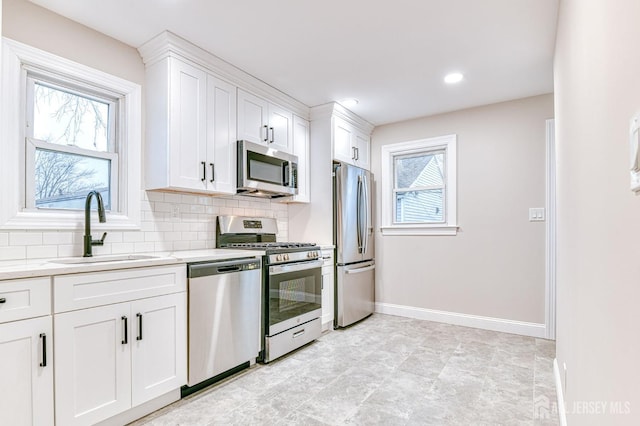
column 562, row 413
column 419, row 230
column 12, row 142
column 551, row 256
column 466, row 320
column 388, row 152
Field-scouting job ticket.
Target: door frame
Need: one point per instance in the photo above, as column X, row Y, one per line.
column 550, row 232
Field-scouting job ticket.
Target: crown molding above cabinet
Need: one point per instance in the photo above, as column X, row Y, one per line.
column 167, row 44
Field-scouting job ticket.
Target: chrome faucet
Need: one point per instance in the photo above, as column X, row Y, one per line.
column 88, row 241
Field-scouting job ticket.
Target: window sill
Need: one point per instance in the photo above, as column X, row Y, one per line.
column 419, row 230
column 70, row 221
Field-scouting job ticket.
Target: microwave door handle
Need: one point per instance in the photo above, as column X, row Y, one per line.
column 285, row 173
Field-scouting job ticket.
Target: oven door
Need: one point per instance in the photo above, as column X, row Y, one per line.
column 294, row 295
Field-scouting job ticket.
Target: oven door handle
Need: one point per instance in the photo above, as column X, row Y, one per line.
column 283, row 269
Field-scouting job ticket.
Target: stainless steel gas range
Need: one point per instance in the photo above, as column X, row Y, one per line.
column 292, row 282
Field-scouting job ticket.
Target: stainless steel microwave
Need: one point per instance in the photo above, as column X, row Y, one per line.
column 266, row 172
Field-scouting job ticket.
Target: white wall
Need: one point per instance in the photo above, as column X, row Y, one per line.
column 160, row 231
column 597, row 84
column 495, row 266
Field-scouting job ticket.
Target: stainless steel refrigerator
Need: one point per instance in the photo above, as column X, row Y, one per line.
column 353, row 238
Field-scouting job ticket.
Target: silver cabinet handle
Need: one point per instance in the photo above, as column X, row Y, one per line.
column 353, row 152
column 266, row 133
column 273, row 135
column 357, row 154
column 298, row 333
column 213, row 175
column 204, row 171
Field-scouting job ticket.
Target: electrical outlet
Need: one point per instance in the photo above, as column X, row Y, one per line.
column 175, row 211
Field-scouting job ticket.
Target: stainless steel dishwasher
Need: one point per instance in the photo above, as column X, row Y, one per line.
column 224, row 317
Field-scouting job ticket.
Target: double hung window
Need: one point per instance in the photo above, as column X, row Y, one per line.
column 419, row 187
column 67, row 129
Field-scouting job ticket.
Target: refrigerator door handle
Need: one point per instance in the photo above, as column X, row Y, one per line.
column 359, row 270
column 359, row 214
column 366, row 207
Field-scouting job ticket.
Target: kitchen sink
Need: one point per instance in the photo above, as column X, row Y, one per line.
column 102, row 259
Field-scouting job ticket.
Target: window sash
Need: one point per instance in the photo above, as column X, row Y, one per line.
column 30, row 184
column 66, row 85
column 396, row 190
column 32, row 144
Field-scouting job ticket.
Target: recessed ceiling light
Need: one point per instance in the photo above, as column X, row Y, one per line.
column 349, row 102
column 454, row 77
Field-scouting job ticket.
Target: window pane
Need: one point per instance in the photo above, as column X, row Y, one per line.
column 419, row 170
column 63, row 180
column 69, row 119
column 420, row 206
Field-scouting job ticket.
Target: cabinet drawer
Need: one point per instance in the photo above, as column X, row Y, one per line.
column 80, row 291
column 26, row 298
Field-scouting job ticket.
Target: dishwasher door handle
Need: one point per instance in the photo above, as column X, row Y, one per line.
column 205, row 269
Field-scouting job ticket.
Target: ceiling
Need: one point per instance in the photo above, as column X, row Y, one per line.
column 390, row 55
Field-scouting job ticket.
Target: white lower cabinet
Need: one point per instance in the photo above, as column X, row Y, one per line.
column 327, row 289
column 118, row 356
column 26, row 372
column 93, row 364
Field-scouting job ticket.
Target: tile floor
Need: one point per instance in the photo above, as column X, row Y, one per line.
column 386, row 370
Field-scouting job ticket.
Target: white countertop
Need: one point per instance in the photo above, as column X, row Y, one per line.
column 45, row 267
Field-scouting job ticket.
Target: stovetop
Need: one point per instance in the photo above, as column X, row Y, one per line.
column 270, row 245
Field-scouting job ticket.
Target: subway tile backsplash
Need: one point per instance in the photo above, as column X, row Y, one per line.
column 169, row 222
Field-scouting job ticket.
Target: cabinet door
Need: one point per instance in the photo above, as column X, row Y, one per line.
column 221, row 135
column 26, row 388
column 327, row 295
column 188, row 126
column 159, row 346
column 362, row 150
column 301, row 150
column 280, row 128
column 93, row 364
column 342, row 141
column 252, row 118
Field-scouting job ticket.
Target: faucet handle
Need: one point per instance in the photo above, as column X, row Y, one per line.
column 100, row 241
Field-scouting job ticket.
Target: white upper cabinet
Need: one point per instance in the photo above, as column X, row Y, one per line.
column 197, row 107
column 191, row 120
column 263, row 122
column 301, row 150
column 350, row 144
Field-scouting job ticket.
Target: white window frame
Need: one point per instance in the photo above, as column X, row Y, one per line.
column 14, row 211
column 448, row 144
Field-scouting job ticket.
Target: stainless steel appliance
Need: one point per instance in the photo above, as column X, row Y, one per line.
column 224, row 317
column 353, row 238
column 292, row 275
column 266, row 172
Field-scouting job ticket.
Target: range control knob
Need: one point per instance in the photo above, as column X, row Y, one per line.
column 286, row 257
column 279, row 258
column 315, row 254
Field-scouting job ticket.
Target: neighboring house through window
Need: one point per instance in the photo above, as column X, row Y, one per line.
column 69, row 129
column 419, row 187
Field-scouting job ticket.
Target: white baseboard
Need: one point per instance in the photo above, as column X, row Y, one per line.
column 486, row 323
column 562, row 414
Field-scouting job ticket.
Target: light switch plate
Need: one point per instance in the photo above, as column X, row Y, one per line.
column 536, row 214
